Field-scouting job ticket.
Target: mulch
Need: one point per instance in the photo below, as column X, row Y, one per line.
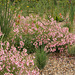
column 59, row 64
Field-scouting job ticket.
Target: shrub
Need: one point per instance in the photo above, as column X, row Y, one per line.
column 41, row 32
column 15, row 62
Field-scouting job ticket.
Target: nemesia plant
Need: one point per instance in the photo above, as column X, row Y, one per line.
column 44, row 32
column 40, row 58
column 13, row 62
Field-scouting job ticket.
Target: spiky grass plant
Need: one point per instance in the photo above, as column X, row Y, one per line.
column 5, row 17
column 40, row 59
column 55, row 2
column 65, row 7
column 71, row 15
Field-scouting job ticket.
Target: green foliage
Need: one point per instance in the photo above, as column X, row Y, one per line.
column 17, row 42
column 71, row 15
column 5, row 18
column 7, row 10
column 55, row 2
column 65, row 9
column 28, row 45
column 40, row 58
column 71, row 49
column 73, row 1
column 15, row 1
column 57, row 51
column 52, row 7
column 42, row 6
column 58, row 18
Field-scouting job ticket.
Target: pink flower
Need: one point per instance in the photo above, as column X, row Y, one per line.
column 32, row 62
column 7, row 44
column 21, row 43
column 33, row 57
column 13, row 68
column 20, row 37
column 34, row 71
column 8, row 74
column 16, row 30
column 0, row 63
column 53, row 50
column 27, row 62
column 0, row 68
column 25, row 50
column 28, row 73
column 3, row 65
column 40, row 43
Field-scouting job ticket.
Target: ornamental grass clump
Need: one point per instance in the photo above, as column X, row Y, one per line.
column 71, row 17
column 55, row 2
column 6, row 13
column 40, row 58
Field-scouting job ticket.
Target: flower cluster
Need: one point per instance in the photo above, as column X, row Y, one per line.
column 45, row 32
column 14, row 62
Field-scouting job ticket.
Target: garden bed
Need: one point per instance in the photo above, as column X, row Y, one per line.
column 37, row 38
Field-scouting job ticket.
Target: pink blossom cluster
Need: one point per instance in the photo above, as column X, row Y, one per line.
column 13, row 62
column 46, row 32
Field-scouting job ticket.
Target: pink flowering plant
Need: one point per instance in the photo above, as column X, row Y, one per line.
column 42, row 32
column 22, row 36
column 13, row 62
